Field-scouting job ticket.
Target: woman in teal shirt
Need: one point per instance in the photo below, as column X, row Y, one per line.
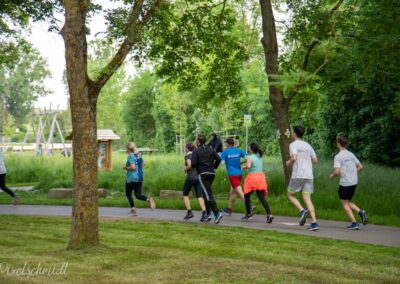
column 255, row 181
column 133, row 183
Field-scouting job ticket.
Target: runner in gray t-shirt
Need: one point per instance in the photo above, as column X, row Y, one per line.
column 302, row 157
column 347, row 166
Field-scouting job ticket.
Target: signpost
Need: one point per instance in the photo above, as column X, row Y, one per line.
column 247, row 124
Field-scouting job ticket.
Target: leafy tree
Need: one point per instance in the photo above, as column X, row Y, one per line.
column 22, row 83
column 138, row 110
column 110, row 100
column 14, row 21
column 361, row 83
column 310, row 16
column 84, row 92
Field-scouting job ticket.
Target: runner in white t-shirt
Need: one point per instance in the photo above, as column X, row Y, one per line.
column 302, row 157
column 347, row 166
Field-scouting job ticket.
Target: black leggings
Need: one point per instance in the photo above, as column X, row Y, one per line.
column 4, row 187
column 261, row 197
column 137, row 188
column 206, row 181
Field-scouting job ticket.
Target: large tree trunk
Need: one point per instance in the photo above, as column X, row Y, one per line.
column 280, row 105
column 84, row 226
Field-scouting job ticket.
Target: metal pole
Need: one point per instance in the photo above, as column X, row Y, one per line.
column 247, row 136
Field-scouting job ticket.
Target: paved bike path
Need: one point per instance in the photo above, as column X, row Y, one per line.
column 370, row 234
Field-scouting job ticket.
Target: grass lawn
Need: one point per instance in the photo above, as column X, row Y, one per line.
column 137, row 252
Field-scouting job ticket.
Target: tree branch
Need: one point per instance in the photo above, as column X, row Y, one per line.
column 333, row 12
column 130, row 40
column 300, row 84
column 314, row 43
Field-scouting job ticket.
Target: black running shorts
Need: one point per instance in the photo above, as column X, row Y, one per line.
column 347, row 192
column 189, row 183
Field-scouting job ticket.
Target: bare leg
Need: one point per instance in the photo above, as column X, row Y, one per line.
column 354, row 207
column 292, row 198
column 186, row 199
column 240, row 192
column 310, row 206
column 201, row 203
column 347, row 208
column 232, row 198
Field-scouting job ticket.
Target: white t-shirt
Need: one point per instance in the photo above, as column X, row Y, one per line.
column 2, row 165
column 347, row 162
column 302, row 168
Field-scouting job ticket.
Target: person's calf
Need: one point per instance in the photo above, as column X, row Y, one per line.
column 292, row 198
column 310, row 206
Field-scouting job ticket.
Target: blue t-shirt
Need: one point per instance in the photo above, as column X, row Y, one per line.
column 132, row 176
column 256, row 163
column 139, row 161
column 232, row 156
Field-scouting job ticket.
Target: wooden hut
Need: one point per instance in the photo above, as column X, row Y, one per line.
column 105, row 138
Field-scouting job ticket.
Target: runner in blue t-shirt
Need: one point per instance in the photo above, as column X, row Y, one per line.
column 232, row 157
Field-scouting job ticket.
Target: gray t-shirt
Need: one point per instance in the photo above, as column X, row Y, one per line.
column 302, row 168
column 347, row 162
column 2, row 165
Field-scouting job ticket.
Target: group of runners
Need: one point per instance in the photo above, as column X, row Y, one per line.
column 201, row 162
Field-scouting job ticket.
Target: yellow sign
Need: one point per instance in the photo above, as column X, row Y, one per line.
column 247, row 120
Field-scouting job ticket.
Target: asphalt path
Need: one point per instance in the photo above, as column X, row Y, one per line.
column 370, row 234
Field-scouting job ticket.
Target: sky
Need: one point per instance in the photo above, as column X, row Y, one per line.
column 51, row 47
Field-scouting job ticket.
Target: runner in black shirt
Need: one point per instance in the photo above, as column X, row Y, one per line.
column 192, row 180
column 205, row 160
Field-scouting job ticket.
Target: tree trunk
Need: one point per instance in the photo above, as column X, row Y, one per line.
column 84, row 225
column 280, row 105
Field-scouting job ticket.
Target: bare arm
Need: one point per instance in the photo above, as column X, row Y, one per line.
column 130, row 168
column 335, row 173
column 359, row 167
column 248, row 164
column 292, row 160
column 188, row 166
column 314, row 160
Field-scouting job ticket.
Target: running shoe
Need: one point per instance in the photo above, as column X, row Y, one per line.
column 247, row 217
column 217, row 218
column 189, row 215
column 208, row 217
column 303, row 217
column 152, row 203
column 16, row 200
column 353, row 226
column 364, row 217
column 227, row 211
column 203, row 217
column 133, row 212
column 313, row 227
column 270, row 218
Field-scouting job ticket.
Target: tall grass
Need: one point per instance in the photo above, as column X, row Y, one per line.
column 378, row 189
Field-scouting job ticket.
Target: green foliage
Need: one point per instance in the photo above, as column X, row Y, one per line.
column 14, row 20
column 137, row 110
column 361, row 84
column 22, row 83
column 198, row 48
column 110, row 102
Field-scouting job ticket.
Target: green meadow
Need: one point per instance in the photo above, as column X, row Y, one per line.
column 163, row 252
